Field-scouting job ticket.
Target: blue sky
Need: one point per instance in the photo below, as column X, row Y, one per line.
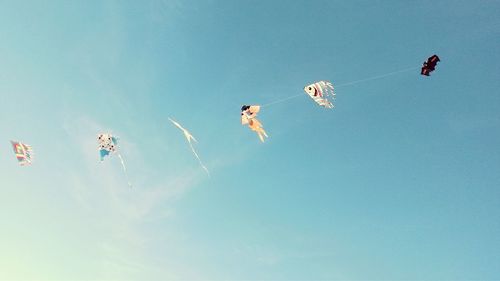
column 400, row 181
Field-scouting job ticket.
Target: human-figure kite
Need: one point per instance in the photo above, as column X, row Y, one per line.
column 248, row 114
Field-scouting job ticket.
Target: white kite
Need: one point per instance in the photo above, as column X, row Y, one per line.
column 189, row 138
column 322, row 93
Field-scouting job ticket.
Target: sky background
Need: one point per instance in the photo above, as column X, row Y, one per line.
column 400, row 181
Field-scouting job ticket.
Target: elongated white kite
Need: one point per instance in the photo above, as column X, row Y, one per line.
column 189, row 138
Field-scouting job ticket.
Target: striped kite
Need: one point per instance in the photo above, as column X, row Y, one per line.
column 24, row 153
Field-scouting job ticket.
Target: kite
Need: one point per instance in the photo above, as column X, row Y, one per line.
column 429, row 65
column 248, row 114
column 190, row 138
column 24, row 153
column 320, row 92
column 108, row 144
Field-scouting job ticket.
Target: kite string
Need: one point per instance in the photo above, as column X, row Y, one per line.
column 281, row 100
column 376, row 77
column 346, row 84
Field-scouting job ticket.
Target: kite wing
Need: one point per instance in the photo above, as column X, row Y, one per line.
column 24, row 153
column 321, row 92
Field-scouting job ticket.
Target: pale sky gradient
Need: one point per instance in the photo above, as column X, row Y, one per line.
column 401, row 181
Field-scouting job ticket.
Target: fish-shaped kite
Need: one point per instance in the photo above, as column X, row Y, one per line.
column 321, row 92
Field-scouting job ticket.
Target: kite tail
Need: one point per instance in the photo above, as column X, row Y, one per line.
column 199, row 160
column 124, row 170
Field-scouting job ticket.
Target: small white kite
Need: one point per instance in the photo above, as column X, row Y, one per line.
column 190, row 138
column 108, row 144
